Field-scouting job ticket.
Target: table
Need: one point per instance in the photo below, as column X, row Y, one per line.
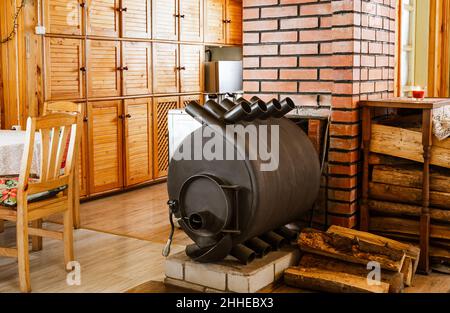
column 11, row 149
column 12, row 143
column 426, row 106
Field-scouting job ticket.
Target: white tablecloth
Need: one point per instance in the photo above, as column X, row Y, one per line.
column 11, row 149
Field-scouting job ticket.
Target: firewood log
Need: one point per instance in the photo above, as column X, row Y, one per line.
column 410, row 176
column 407, row 144
column 330, row 281
column 399, row 209
column 350, row 250
column 411, row 251
column 381, row 159
column 394, row 279
column 407, row 271
column 407, row 195
column 406, row 226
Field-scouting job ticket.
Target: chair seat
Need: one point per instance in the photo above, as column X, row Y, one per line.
column 8, row 192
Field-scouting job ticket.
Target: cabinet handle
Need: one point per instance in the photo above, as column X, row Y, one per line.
column 83, row 69
column 82, row 4
column 121, row 116
column 85, row 119
column 128, row 116
column 183, row 68
column 124, row 68
column 182, row 16
column 122, row 9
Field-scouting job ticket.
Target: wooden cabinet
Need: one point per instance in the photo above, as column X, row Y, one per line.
column 137, row 65
column 215, row 21
column 83, row 165
column 105, row 122
column 103, row 18
column 136, row 18
column 103, row 68
column 63, row 17
column 64, row 69
column 191, row 68
column 234, row 22
column 165, row 19
column 191, row 20
column 161, row 107
column 165, row 69
column 138, row 141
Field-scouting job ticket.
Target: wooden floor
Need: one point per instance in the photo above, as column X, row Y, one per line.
column 119, row 249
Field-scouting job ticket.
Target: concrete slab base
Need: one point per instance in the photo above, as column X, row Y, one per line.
column 229, row 275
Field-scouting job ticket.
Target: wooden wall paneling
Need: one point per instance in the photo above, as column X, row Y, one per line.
column 137, row 19
column 103, row 18
column 214, row 21
column 105, row 123
column 165, row 69
column 165, row 19
column 137, row 60
column 104, row 69
column 161, row 107
column 64, row 68
column 138, row 141
column 184, row 100
column 63, row 17
column 191, row 68
column 191, row 20
column 234, row 22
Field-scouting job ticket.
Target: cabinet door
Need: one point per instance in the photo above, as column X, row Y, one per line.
column 64, row 69
column 103, row 18
column 103, row 68
column 138, row 141
column 63, row 17
column 234, row 22
column 165, row 21
column 137, row 18
column 105, row 145
column 137, row 62
column 161, row 107
column 191, row 20
column 184, row 100
column 165, row 69
column 191, row 68
column 214, row 21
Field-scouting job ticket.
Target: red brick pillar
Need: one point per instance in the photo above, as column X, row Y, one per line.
column 327, row 53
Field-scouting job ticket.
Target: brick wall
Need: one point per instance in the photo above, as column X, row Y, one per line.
column 324, row 53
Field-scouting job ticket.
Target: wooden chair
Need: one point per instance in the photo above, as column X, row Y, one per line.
column 69, row 107
column 52, row 191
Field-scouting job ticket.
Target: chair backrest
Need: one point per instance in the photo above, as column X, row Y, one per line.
column 58, row 137
column 62, row 107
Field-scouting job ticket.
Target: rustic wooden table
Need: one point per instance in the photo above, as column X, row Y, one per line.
column 426, row 106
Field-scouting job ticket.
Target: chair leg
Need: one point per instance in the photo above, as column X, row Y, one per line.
column 68, row 229
column 2, row 226
column 36, row 241
column 76, row 196
column 23, row 257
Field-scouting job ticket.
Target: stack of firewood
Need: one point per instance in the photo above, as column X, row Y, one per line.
column 395, row 188
column 347, row 260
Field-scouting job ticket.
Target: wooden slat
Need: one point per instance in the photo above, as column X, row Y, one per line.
column 214, row 21
column 166, row 74
column 103, row 18
column 45, row 233
column 63, row 17
column 165, row 24
column 191, row 26
column 8, row 252
column 191, row 60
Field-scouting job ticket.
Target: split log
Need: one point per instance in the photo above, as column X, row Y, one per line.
column 381, row 159
column 409, row 195
column 410, row 176
column 407, row 271
column 394, row 279
column 350, row 249
column 439, row 254
column 411, row 251
column 407, row 144
column 406, row 226
column 396, row 209
column 330, row 281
